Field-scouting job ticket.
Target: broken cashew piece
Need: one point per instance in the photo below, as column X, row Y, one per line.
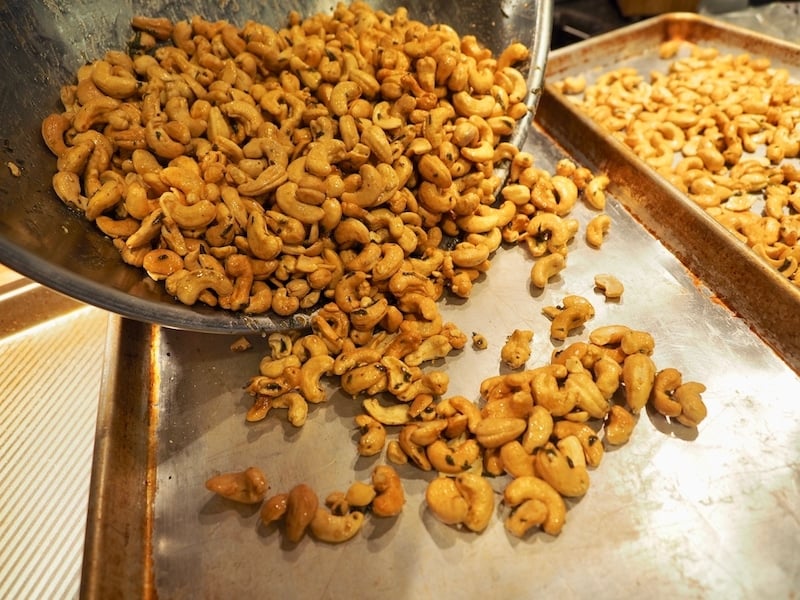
column 517, row 349
column 611, row 287
column 248, row 486
column 390, row 497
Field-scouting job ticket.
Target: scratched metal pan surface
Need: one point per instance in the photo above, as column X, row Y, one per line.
column 43, row 43
column 677, row 512
column 752, row 288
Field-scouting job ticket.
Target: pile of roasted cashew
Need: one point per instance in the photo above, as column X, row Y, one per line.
column 255, row 169
column 724, row 129
column 324, row 165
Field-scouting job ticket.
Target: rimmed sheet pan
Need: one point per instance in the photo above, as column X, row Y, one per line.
column 745, row 282
column 695, row 514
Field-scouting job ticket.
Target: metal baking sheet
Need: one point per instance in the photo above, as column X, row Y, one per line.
column 747, row 284
column 712, row 512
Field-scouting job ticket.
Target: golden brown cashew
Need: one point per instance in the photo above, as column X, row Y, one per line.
column 248, row 486
column 619, row 425
column 493, row 432
column 452, row 460
column 310, row 374
column 611, row 287
column 478, row 493
column 517, row 348
column 581, row 388
column 390, row 496
column 526, row 488
column 664, row 385
column 529, row 514
column 187, row 286
column 590, row 443
column 360, row 494
column 301, row 508
column 296, row 405
column 539, row 428
column 274, row 508
column 547, row 267
column 393, row 414
column 597, row 229
column 561, row 473
column 517, row 462
column 413, row 450
column 693, row 410
column 334, row 529
column 638, row 377
column 574, row 313
column 373, row 435
column 607, row 375
column 445, row 501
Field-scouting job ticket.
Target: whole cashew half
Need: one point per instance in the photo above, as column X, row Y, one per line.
column 529, row 487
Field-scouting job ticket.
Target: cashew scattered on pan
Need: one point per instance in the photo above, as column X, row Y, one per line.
column 301, row 508
column 573, row 313
column 638, row 377
column 611, row 287
column 479, row 341
column 547, row 267
column 328, row 527
column 248, row 486
column 619, row 425
column 530, row 488
column 478, row 493
column 517, row 348
column 390, row 496
column 373, row 435
column 445, row 501
column 561, row 472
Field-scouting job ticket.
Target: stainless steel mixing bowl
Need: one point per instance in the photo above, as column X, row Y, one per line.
column 42, row 44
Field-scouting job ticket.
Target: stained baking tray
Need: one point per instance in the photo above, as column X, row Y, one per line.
column 678, row 512
column 746, row 283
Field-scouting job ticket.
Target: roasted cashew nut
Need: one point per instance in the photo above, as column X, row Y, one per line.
column 517, row 348
column 453, row 460
column 478, row 493
column 665, row 383
column 638, row 377
column 373, row 435
column 619, row 425
column 561, row 472
column 693, row 409
column 334, row 529
column 301, row 508
column 248, row 486
column 517, row 462
column 445, row 501
column 531, row 513
column 547, row 267
column 390, row 497
column 529, row 487
column 310, row 374
column 611, row 287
